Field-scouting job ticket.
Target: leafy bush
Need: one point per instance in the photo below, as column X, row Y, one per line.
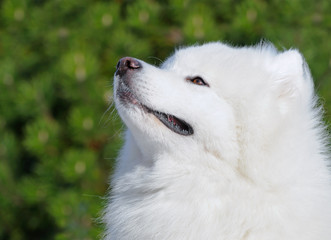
column 57, row 60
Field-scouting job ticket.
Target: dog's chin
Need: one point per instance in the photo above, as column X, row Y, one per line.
column 128, row 100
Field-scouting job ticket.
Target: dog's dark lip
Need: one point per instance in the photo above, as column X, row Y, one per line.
column 172, row 122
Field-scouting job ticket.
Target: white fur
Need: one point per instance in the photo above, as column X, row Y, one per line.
column 255, row 167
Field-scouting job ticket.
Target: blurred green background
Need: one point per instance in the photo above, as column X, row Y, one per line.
column 57, row 58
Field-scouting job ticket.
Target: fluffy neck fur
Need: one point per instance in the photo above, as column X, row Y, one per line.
column 157, row 198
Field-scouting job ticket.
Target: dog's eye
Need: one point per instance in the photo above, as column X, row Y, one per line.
column 198, row 81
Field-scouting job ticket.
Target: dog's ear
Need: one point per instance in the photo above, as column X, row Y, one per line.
column 291, row 75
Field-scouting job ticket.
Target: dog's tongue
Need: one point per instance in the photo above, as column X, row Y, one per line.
column 175, row 121
column 172, row 119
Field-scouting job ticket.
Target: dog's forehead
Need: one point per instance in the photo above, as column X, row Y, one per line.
column 199, row 53
column 199, row 60
column 217, row 53
column 194, row 57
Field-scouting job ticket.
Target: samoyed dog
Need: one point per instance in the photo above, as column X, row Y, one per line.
column 222, row 143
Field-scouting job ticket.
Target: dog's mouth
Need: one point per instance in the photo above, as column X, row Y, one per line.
column 172, row 122
column 175, row 124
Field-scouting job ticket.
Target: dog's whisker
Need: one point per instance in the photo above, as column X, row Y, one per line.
column 155, row 58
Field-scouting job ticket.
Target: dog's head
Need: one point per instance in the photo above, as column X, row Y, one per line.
column 205, row 96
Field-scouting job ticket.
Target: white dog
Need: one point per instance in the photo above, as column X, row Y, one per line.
column 222, row 143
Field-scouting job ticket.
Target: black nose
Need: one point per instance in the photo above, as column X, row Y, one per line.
column 125, row 64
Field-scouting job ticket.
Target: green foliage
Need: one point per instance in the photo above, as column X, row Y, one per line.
column 57, row 59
